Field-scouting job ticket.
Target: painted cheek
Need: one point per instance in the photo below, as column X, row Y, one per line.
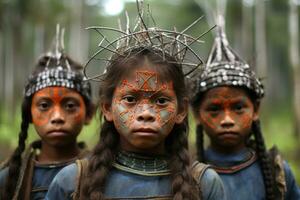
column 211, row 121
column 80, row 113
column 166, row 115
column 122, row 115
column 245, row 120
column 40, row 118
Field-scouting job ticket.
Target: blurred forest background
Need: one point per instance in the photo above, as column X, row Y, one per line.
column 264, row 32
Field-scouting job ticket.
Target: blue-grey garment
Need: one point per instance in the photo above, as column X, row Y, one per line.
column 123, row 184
column 247, row 183
column 42, row 174
column 42, row 177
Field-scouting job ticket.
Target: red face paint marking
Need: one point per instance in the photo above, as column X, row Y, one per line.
column 146, row 81
column 226, row 114
column 52, row 101
column 144, row 109
column 58, row 114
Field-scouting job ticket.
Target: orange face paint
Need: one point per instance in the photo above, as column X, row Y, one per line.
column 58, row 111
column 53, row 101
column 226, row 114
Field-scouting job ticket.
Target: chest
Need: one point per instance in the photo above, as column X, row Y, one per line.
column 246, row 184
column 124, row 185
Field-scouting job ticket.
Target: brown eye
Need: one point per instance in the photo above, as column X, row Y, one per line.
column 129, row 99
column 162, row 101
column 44, row 105
column 238, row 107
column 213, row 108
column 70, row 105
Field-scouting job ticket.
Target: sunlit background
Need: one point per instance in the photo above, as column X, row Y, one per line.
column 264, row 32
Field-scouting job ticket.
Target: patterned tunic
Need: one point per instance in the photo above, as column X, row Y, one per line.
column 135, row 177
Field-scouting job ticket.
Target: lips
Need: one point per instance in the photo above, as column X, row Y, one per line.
column 57, row 133
column 228, row 134
column 145, row 131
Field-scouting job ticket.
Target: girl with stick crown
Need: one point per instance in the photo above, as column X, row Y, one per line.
column 143, row 149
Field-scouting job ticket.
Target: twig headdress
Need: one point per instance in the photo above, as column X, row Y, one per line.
column 225, row 68
column 173, row 43
column 57, row 71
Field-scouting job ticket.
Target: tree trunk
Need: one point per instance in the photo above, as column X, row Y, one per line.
column 294, row 59
column 260, row 38
column 78, row 41
column 39, row 47
column 8, row 73
column 247, row 30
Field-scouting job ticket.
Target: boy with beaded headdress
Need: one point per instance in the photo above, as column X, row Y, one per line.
column 57, row 100
column 226, row 105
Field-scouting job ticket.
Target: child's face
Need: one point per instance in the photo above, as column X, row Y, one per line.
column 226, row 114
column 58, row 115
column 144, row 110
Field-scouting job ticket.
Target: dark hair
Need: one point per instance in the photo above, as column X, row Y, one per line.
column 259, row 144
column 15, row 161
column 183, row 185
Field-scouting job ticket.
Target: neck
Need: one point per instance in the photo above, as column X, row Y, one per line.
column 50, row 153
column 227, row 149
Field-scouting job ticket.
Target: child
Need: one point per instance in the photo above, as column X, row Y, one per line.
column 142, row 152
column 226, row 106
column 58, row 102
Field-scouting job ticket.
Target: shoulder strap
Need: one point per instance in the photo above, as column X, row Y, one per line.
column 198, row 170
column 4, row 163
column 278, row 171
column 82, row 166
column 25, row 172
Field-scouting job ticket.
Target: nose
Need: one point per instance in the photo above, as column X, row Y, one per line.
column 57, row 116
column 145, row 113
column 227, row 121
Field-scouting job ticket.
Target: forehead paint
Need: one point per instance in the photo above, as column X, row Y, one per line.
column 146, row 81
column 56, row 95
column 147, row 85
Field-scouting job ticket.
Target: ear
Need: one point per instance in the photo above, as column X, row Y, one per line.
column 182, row 113
column 107, row 111
column 256, row 111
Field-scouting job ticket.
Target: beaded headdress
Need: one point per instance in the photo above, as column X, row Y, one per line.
column 225, row 68
column 166, row 43
column 58, row 72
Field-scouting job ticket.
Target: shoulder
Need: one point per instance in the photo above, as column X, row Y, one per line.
column 3, row 175
column 285, row 179
column 66, row 175
column 209, row 182
column 291, row 185
column 63, row 184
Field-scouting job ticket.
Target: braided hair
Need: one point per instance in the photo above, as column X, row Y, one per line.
column 16, row 158
column 15, row 161
column 258, row 144
column 226, row 68
column 264, row 160
column 200, row 143
column 183, row 185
